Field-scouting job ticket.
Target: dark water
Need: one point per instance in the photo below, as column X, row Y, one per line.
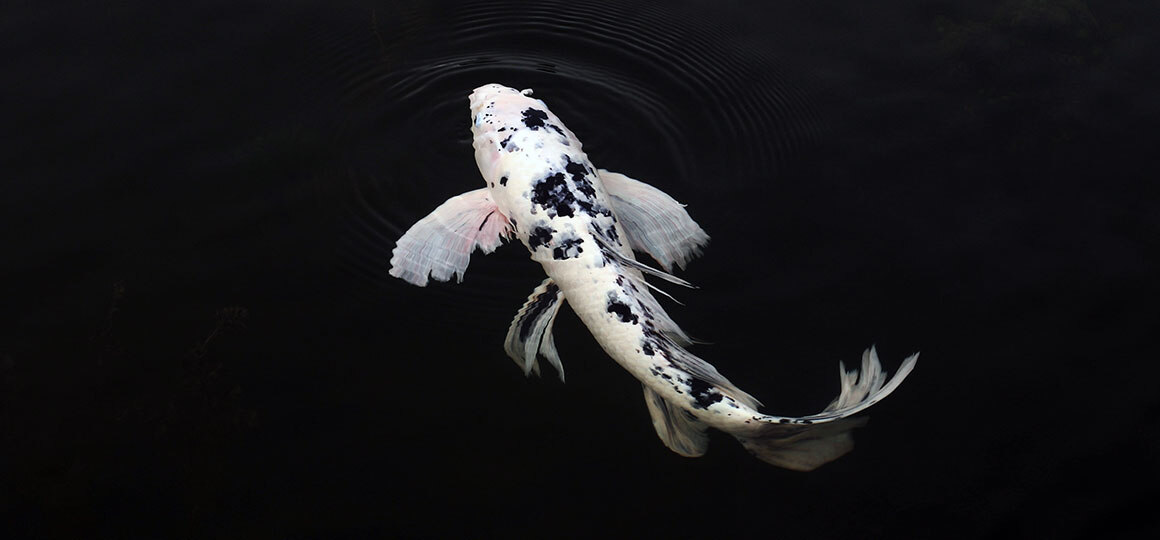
column 199, row 338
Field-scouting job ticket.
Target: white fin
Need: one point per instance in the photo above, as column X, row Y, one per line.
column 804, row 448
column 659, row 317
column 655, row 222
column 678, row 429
column 807, row 442
column 704, row 371
column 642, row 267
column 531, row 331
column 861, row 390
column 440, row 244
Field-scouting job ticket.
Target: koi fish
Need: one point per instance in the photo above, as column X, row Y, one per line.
column 583, row 225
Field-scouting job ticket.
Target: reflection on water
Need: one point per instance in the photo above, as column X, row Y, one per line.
column 640, row 86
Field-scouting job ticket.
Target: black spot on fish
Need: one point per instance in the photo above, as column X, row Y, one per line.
column 615, row 236
column 534, row 118
column 568, row 249
column 539, row 305
column 621, row 309
column 540, row 236
column 504, row 144
column 704, row 394
column 552, row 194
column 503, row 180
column 579, row 177
column 646, row 348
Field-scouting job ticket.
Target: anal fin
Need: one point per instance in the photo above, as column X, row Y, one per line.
column 679, row 431
column 530, row 334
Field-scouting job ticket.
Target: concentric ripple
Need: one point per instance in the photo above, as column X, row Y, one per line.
column 663, row 96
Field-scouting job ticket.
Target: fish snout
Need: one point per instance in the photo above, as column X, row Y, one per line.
column 481, row 96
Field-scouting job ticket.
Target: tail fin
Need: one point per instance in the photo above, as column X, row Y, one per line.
column 808, row 442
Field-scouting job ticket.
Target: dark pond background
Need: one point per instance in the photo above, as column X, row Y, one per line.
column 198, row 337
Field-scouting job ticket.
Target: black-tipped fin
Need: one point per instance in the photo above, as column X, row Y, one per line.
column 530, row 334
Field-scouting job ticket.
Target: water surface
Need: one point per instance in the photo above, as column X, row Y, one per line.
column 199, row 335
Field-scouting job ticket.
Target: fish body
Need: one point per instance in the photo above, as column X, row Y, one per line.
column 582, row 224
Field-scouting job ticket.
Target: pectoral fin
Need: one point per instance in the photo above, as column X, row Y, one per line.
column 679, row 431
column 530, row 334
column 654, row 222
column 440, row 244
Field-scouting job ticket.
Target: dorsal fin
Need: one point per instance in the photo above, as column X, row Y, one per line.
column 637, row 265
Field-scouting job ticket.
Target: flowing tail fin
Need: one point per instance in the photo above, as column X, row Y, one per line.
column 806, row 443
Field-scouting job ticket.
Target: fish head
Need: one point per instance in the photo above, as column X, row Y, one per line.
column 494, row 108
column 489, row 93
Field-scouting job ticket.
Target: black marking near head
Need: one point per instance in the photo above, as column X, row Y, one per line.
column 569, row 248
column 553, row 195
column 542, row 303
column 622, row 310
column 504, row 144
column 557, row 198
column 534, row 118
column 540, row 236
column 592, row 209
column 503, row 180
column 704, row 394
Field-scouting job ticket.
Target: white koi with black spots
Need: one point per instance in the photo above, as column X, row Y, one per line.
column 582, row 224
